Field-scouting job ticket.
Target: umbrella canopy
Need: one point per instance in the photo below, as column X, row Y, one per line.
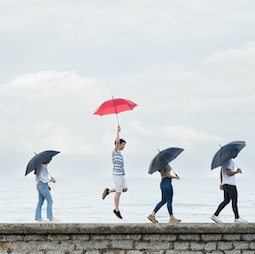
column 163, row 158
column 227, row 152
column 39, row 159
column 114, row 106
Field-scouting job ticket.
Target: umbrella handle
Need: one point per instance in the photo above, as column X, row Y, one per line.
column 115, row 111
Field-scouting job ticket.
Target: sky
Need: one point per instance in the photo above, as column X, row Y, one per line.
column 188, row 65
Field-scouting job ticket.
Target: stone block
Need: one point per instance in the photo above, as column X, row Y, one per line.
column 241, row 245
column 101, row 244
column 168, row 237
column 151, row 237
column 143, row 245
column 181, row 245
column 28, row 246
column 248, row 237
column 211, row 237
column 134, row 252
column 124, row 244
column 86, row 245
column 210, row 246
column 197, row 246
column 54, row 252
column 14, row 245
column 92, row 252
column 114, row 252
column 231, row 237
column 225, row 245
column 66, row 246
column 189, row 237
column 133, row 237
column 48, row 245
column 232, row 252
column 252, row 245
column 161, row 245
column 80, row 237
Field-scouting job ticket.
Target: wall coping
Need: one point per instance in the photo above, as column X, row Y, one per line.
column 125, row 228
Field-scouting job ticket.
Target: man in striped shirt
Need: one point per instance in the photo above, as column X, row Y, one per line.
column 118, row 173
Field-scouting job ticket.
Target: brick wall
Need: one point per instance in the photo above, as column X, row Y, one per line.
column 127, row 238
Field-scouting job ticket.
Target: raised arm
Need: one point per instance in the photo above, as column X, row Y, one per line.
column 117, row 141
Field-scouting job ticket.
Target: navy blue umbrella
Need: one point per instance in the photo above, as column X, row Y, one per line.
column 227, row 152
column 39, row 159
column 162, row 159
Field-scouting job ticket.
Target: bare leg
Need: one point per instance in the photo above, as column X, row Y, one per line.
column 117, row 200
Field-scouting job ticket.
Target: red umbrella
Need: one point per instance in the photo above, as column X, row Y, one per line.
column 114, row 106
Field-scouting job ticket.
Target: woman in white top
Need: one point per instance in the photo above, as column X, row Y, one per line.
column 42, row 178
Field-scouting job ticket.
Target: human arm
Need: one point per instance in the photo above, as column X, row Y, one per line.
column 221, row 188
column 230, row 173
column 168, row 175
column 117, row 140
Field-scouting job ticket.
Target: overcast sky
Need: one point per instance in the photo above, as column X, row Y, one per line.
column 189, row 65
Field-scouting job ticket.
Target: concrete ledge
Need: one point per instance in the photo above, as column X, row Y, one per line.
column 102, row 229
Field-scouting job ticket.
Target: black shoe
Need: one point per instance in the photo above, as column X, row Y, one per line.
column 117, row 214
column 105, row 193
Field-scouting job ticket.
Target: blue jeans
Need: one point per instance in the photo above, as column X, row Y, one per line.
column 167, row 195
column 44, row 193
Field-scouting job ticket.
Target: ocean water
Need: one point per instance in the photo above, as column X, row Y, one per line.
column 79, row 200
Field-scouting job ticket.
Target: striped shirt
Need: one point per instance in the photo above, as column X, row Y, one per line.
column 118, row 163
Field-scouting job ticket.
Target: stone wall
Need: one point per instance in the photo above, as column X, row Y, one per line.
column 127, row 238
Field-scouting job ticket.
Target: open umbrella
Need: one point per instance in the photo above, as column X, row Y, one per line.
column 39, row 159
column 114, row 106
column 163, row 158
column 227, row 152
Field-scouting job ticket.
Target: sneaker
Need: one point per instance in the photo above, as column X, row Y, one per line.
column 152, row 218
column 174, row 220
column 105, row 193
column 54, row 220
column 240, row 220
column 117, row 213
column 41, row 221
column 216, row 219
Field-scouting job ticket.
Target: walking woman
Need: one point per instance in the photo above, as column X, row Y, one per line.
column 42, row 178
column 167, row 195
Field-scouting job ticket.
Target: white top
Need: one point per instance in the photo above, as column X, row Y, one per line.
column 231, row 180
column 42, row 174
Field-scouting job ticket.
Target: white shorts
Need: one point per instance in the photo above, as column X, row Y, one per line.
column 120, row 182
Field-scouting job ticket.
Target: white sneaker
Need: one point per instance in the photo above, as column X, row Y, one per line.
column 54, row 220
column 41, row 221
column 216, row 219
column 240, row 220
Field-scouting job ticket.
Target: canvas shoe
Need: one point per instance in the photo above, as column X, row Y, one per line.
column 174, row 220
column 42, row 221
column 105, row 193
column 216, row 219
column 117, row 213
column 152, row 218
column 54, row 220
column 240, row 220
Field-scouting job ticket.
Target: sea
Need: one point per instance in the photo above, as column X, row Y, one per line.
column 79, row 200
